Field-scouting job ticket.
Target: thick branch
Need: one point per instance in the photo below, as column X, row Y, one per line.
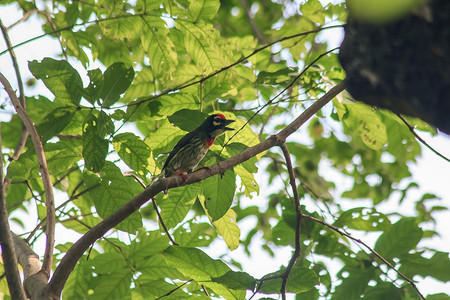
column 75, row 252
column 50, row 229
column 35, row 280
column 8, row 250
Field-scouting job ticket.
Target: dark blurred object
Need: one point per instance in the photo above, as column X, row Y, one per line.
column 403, row 65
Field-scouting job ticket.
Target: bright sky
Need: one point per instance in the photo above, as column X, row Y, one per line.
column 431, row 172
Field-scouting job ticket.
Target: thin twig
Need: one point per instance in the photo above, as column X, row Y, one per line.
column 174, row 290
column 24, row 18
column 411, row 128
column 7, row 245
column 368, row 248
column 52, row 24
column 45, row 175
column 299, row 214
column 24, row 134
column 259, row 35
column 160, row 219
column 58, row 208
column 155, row 206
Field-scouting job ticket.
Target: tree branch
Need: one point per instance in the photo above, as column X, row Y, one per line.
column 48, row 187
column 8, row 250
column 35, row 280
column 368, row 248
column 24, row 134
column 411, row 128
column 299, row 214
column 75, row 252
column 259, row 35
column 24, row 18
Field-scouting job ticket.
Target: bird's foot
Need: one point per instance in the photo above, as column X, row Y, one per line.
column 182, row 175
column 208, row 168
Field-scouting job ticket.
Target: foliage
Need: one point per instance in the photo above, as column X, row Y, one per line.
column 163, row 66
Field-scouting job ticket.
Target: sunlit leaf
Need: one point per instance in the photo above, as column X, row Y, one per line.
column 227, row 228
column 203, row 9
column 399, row 239
column 55, row 121
column 194, row 263
column 219, row 193
column 134, row 152
column 60, row 78
column 117, row 79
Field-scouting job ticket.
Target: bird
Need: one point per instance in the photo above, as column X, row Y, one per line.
column 191, row 148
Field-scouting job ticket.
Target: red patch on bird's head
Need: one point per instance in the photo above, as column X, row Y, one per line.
column 222, row 116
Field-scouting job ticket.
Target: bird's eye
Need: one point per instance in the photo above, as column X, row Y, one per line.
column 217, row 122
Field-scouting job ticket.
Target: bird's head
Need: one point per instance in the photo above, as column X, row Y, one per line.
column 216, row 125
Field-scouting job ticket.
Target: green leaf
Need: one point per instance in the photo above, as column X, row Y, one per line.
column 236, row 280
column 23, row 168
column 384, row 290
column 248, row 181
column 128, row 27
column 164, row 138
column 197, row 235
column 109, row 192
column 439, row 296
column 203, row 9
column 148, row 244
column 300, row 280
column 117, row 79
column 175, row 206
column 77, row 285
column 364, row 120
column 313, row 10
column 200, row 45
column 227, row 228
column 60, row 78
column 159, row 47
column 95, row 147
column 219, row 193
column 187, row 119
column 399, row 239
column 62, row 155
column 194, row 263
column 143, row 85
column 362, row 218
column 436, row 266
column 115, row 285
column 134, row 152
column 92, row 92
column 104, row 125
column 355, row 279
column 170, row 104
column 156, row 267
column 246, row 135
column 55, row 121
column 225, row 291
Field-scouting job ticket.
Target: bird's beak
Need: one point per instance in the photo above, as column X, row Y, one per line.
column 227, row 122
